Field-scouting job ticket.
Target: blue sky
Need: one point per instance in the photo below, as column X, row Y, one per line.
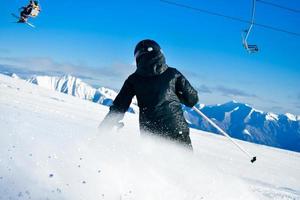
column 95, row 40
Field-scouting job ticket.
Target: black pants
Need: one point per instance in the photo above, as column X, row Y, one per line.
column 183, row 138
column 26, row 12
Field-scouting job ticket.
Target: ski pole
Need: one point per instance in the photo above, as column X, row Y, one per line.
column 253, row 158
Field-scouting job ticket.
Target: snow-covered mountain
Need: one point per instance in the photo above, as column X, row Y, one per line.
column 51, row 149
column 76, row 87
column 243, row 122
column 239, row 120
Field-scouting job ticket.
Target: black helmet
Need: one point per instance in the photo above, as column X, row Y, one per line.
column 146, row 46
column 36, row 2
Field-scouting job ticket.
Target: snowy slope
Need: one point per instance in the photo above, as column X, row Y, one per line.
column 51, row 149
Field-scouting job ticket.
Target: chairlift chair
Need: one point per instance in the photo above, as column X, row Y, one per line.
column 251, row 48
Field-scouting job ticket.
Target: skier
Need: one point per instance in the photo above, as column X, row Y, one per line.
column 160, row 91
column 31, row 10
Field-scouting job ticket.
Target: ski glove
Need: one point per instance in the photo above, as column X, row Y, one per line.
column 111, row 121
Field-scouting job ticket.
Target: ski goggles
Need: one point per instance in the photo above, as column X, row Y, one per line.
column 144, row 51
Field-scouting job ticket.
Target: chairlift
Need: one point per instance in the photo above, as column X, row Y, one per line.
column 251, row 48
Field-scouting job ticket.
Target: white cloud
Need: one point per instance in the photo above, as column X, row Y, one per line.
column 112, row 76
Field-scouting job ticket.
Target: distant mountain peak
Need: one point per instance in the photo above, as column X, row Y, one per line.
column 271, row 116
column 233, row 102
column 291, row 117
column 13, row 75
column 258, row 111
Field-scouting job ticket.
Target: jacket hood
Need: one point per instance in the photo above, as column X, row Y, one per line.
column 151, row 64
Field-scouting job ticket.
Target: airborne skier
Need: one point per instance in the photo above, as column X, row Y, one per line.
column 31, row 10
column 28, row 11
column 160, row 91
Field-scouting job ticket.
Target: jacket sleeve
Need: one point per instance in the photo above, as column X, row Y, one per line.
column 185, row 92
column 120, row 105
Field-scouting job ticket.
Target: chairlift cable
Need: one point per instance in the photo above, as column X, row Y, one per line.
column 279, row 6
column 230, row 17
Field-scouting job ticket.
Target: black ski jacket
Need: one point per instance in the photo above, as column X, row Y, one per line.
column 160, row 90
